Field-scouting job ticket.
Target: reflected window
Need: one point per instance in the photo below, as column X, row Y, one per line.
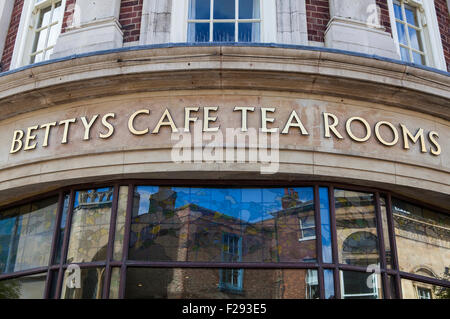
column 421, row 232
column 356, row 228
column 26, row 235
column 312, row 284
column 224, row 21
column 89, row 233
column 419, row 290
column 424, row 293
column 28, row 287
column 360, row 285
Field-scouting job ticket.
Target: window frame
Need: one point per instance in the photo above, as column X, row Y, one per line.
column 179, row 22
column 430, row 34
column 25, row 34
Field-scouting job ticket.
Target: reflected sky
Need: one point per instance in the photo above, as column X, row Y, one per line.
column 248, row 204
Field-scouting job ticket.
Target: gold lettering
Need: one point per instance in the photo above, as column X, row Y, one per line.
column 349, row 129
column 298, row 124
column 378, row 135
column 265, row 120
column 188, row 118
column 131, row 122
column 29, row 138
column 207, row 119
column 16, row 140
column 169, row 122
column 87, row 126
column 407, row 135
column 107, row 125
column 66, row 129
column 47, row 127
column 432, row 136
column 244, row 110
column 331, row 127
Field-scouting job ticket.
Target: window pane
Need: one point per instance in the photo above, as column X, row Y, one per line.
column 90, row 225
column 120, row 222
column 360, row 285
column 26, row 235
column 356, row 228
column 418, row 290
column 325, row 225
column 199, row 9
column 39, row 41
column 415, row 41
column 57, row 12
column 329, row 283
column 115, row 283
column 192, row 283
column 53, row 36
column 249, row 9
column 198, row 32
column 29, row 287
column 418, row 58
column 44, row 17
column 405, row 54
column 422, row 238
column 223, row 32
column 88, row 285
column 410, row 15
column 222, row 225
column 62, row 228
column 398, row 11
column 401, row 33
column 224, row 9
column 249, row 32
column 387, row 244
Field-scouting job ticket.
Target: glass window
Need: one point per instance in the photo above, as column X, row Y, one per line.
column 387, row 244
column 115, row 283
column 329, row 283
column 409, row 32
column 189, row 224
column 83, row 283
column 28, row 287
column 356, row 228
column 62, row 228
column 120, row 222
column 224, row 21
column 418, row 290
column 26, row 235
column 46, row 25
column 422, row 238
column 194, row 283
column 325, row 225
column 89, row 232
column 360, row 285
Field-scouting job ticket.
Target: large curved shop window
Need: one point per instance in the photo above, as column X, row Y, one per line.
column 146, row 241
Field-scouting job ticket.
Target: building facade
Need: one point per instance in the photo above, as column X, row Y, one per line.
column 284, row 149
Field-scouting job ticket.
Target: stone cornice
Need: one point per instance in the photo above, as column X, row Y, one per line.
column 183, row 67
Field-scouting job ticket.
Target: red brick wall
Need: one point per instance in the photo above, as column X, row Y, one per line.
column 11, row 36
column 68, row 15
column 317, row 15
column 444, row 23
column 130, row 19
column 385, row 19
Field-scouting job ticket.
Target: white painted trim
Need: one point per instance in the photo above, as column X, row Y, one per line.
column 23, row 38
column 433, row 46
column 179, row 17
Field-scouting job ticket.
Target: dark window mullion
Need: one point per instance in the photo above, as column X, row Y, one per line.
column 126, row 240
column 381, row 250
column 318, row 222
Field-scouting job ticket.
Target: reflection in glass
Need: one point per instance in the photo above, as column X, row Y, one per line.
column 360, row 285
column 62, row 228
column 329, row 283
column 325, row 225
column 120, row 222
column 223, row 225
column 387, row 244
column 88, row 285
column 90, row 225
column 419, row 290
column 193, row 283
column 28, row 287
column 26, row 235
column 421, row 232
column 115, row 283
column 356, row 228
